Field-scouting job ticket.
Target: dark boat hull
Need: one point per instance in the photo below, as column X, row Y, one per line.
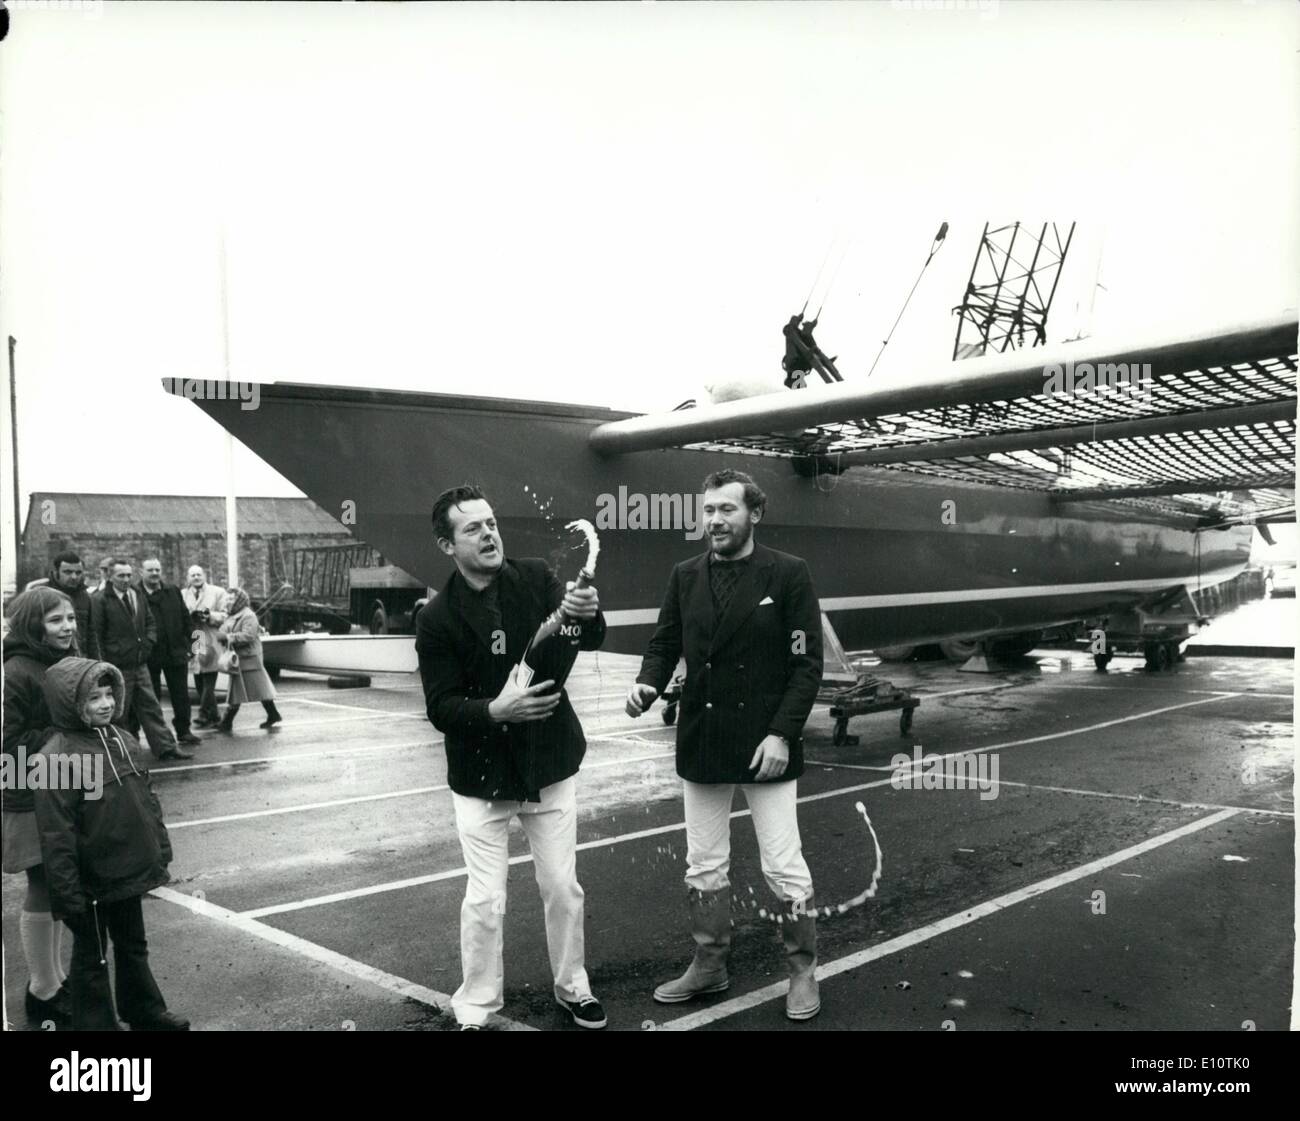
column 896, row 557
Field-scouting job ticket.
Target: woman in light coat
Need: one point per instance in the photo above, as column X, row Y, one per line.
column 249, row 680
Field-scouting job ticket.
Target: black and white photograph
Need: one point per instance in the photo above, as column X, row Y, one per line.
column 729, row 517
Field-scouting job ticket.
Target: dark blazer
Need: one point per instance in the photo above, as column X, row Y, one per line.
column 122, row 639
column 463, row 669
column 753, row 672
column 172, row 620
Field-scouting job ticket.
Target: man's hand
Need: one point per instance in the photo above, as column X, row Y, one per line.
column 517, row 705
column 639, row 698
column 771, row 758
column 580, row 603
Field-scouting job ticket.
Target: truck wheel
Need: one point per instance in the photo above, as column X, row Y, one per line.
column 840, row 736
column 378, row 620
column 905, row 722
column 1101, row 661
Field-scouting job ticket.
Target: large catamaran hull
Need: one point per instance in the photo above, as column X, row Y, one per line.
column 896, row 557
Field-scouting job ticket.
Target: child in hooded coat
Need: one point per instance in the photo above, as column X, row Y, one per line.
column 104, row 845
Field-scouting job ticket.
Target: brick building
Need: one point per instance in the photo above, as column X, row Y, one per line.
column 180, row 531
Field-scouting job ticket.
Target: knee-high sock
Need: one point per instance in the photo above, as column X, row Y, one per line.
column 36, row 929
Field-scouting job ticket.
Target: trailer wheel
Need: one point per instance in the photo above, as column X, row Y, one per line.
column 378, row 620
column 1101, row 661
column 905, row 722
column 840, row 736
column 670, row 714
column 1157, row 656
column 959, row 649
column 895, row 653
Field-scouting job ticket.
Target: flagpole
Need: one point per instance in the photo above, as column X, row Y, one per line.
column 232, row 521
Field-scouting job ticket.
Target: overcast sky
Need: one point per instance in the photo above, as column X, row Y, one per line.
column 615, row 205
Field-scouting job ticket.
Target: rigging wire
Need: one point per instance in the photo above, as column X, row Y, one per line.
column 820, row 269
column 934, row 248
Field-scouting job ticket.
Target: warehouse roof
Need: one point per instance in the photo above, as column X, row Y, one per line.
column 113, row 515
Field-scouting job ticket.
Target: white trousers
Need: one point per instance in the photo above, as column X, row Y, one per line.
column 774, row 808
column 552, row 830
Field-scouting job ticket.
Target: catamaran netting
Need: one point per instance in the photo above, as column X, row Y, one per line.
column 1252, row 461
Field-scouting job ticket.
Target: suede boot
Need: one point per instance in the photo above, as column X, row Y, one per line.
column 711, row 929
column 799, row 933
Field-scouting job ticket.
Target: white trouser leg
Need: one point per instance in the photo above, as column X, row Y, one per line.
column 708, row 834
column 774, row 808
column 484, row 828
column 552, row 828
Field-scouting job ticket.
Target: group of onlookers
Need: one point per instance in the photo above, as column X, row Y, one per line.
column 83, row 674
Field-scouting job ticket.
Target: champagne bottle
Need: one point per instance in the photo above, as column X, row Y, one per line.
column 554, row 647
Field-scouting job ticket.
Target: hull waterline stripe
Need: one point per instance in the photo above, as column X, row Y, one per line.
column 642, row 616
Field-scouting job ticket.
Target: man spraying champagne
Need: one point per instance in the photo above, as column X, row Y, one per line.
column 513, row 747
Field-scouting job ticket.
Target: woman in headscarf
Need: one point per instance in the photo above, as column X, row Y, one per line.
column 249, row 680
column 42, row 631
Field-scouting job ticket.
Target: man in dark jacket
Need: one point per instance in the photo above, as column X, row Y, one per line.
column 512, row 751
column 68, row 576
column 170, row 656
column 748, row 621
column 125, row 633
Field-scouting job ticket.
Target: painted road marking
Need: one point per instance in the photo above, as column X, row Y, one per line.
column 1033, row 739
column 348, row 966
column 1077, row 790
column 294, row 756
column 358, row 708
column 305, row 807
column 522, row 858
column 933, row 930
column 415, row 881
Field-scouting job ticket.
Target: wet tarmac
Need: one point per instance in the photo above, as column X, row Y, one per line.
column 1132, row 868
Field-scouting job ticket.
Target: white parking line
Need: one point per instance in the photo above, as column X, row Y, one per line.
column 1142, row 798
column 522, row 858
column 305, row 807
column 350, row 967
column 398, row 885
column 933, row 930
column 434, row 740
column 359, row 708
column 1031, row 739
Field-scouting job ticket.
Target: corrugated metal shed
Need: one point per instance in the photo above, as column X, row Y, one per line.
column 124, row 515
